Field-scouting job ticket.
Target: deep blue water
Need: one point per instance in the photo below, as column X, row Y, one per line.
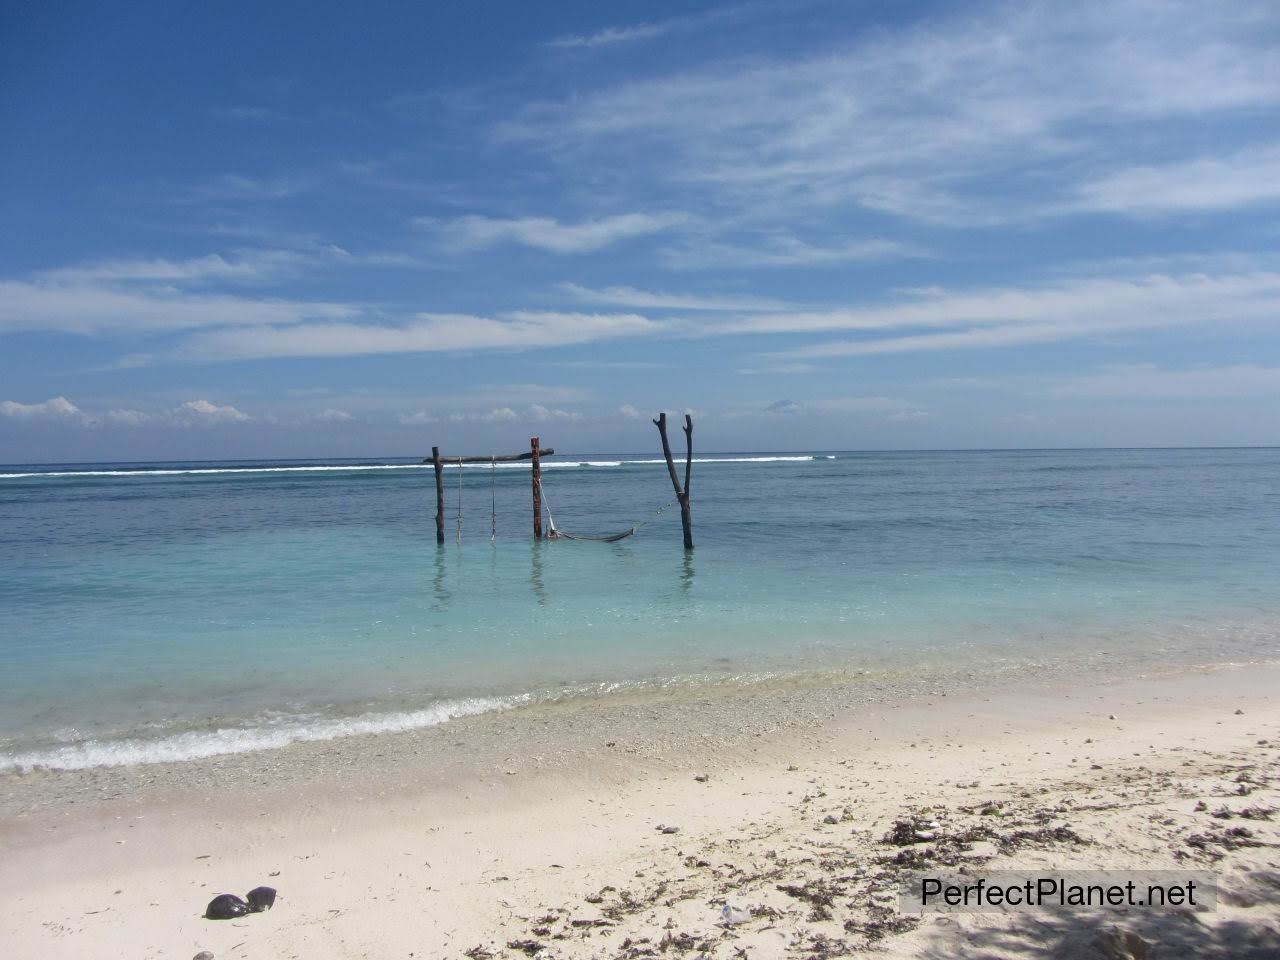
column 149, row 611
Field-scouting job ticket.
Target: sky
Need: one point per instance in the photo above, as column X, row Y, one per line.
column 324, row 230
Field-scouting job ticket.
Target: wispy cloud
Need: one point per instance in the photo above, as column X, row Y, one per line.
column 249, row 265
column 645, row 299
column 418, row 419
column 535, row 411
column 237, row 187
column 781, row 251
column 952, row 120
column 1149, row 380
column 332, row 415
column 611, row 36
column 428, row 333
column 92, row 308
column 130, row 296
column 243, row 112
column 635, row 33
column 1007, row 316
column 1244, row 178
column 544, row 233
column 876, row 407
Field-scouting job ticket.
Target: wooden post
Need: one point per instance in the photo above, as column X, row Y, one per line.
column 535, row 456
column 682, row 495
column 686, row 520
column 435, row 460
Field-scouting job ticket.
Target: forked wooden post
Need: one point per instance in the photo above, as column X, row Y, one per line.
column 682, row 495
column 535, row 455
column 435, row 461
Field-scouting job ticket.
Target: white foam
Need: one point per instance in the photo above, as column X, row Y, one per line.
column 173, row 472
column 355, row 468
column 200, row 744
column 788, row 459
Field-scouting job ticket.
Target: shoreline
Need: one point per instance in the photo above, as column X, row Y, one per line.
column 563, row 730
column 356, row 844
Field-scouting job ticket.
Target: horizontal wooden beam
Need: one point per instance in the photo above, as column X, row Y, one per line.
column 500, row 458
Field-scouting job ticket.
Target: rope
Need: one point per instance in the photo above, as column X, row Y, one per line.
column 493, row 497
column 611, row 538
column 458, row 535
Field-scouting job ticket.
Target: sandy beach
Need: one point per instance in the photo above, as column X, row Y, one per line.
column 636, row 853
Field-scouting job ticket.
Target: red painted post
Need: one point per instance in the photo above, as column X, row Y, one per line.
column 537, row 488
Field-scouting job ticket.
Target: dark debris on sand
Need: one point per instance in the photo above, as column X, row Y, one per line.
column 824, row 895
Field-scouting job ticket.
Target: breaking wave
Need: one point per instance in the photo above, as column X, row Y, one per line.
column 201, row 744
column 359, row 468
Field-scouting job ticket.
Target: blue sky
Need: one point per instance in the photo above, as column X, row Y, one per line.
column 319, row 229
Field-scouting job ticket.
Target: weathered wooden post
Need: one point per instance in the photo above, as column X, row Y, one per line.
column 682, row 495
column 535, row 456
column 435, row 461
column 686, row 519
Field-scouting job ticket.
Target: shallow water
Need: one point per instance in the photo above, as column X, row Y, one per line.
column 162, row 611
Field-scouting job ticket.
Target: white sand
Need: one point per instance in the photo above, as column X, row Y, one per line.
column 370, row 870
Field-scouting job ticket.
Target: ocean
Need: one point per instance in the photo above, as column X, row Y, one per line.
column 172, row 611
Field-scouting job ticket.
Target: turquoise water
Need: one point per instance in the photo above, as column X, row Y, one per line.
column 163, row 611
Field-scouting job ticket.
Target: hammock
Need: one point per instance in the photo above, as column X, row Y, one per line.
column 558, row 534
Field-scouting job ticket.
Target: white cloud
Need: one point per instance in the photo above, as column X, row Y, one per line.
column 979, row 116
column 643, row 299
column 612, row 35
column 628, row 411
column 1245, row 178
column 772, row 368
column 57, row 408
column 191, row 413
column 129, row 418
column 416, row 419
column 249, row 265
column 428, row 333
column 1006, row 316
column 545, row 233
column 334, row 416
column 504, row 414
column 205, row 412
column 539, row 412
column 88, row 308
column 782, row 251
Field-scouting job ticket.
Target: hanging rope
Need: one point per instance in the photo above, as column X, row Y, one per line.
column 557, row 534
column 493, row 499
column 458, row 535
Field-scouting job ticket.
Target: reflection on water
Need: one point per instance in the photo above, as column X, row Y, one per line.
column 535, row 574
column 686, row 572
column 441, row 591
